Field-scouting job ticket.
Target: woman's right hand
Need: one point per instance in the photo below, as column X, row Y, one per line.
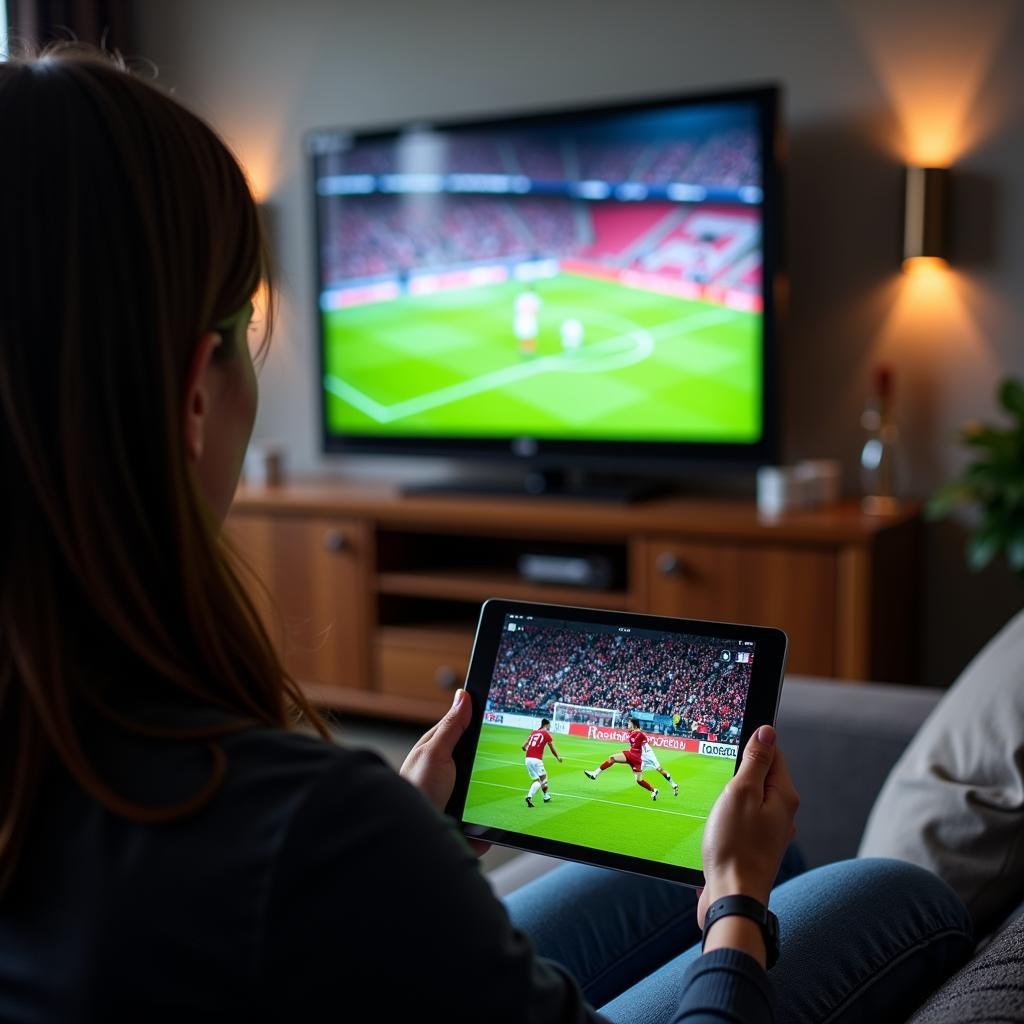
column 750, row 825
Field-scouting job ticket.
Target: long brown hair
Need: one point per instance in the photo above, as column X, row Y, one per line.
column 128, row 231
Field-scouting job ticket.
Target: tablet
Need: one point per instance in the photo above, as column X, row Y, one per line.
column 605, row 737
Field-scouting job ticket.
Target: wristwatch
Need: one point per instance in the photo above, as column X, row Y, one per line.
column 747, row 906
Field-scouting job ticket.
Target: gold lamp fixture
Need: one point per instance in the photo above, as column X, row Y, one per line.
column 926, row 202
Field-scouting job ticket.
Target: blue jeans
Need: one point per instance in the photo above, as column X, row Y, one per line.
column 862, row 940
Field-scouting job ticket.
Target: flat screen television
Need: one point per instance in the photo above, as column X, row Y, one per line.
column 578, row 288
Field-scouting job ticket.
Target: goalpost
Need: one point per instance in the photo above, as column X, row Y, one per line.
column 570, row 713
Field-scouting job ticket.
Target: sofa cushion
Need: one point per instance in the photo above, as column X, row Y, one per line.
column 841, row 740
column 989, row 990
column 954, row 802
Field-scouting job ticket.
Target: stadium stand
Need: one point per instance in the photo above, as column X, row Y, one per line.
column 539, row 667
column 618, row 227
column 475, row 154
column 668, row 163
column 727, row 159
column 543, row 163
column 553, row 224
column 602, row 161
column 707, row 245
column 378, row 236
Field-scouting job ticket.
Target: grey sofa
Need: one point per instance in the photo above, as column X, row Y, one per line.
column 840, row 740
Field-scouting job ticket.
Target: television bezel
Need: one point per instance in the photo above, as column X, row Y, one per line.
column 612, row 455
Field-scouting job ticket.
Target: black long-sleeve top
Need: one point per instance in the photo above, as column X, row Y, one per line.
column 317, row 882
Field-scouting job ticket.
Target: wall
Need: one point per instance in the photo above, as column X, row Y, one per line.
column 869, row 84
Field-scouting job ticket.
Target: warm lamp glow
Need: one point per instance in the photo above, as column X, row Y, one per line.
column 257, row 173
column 261, row 301
column 933, row 68
column 930, row 316
column 925, row 265
column 259, row 326
column 933, row 137
column 260, row 156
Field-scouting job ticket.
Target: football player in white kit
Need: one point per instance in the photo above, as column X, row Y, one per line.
column 572, row 335
column 526, row 322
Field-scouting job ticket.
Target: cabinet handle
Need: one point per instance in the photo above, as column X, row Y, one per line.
column 446, row 677
column 668, row 564
column 335, row 540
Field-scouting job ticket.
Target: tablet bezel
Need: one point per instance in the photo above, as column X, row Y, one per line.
column 762, row 706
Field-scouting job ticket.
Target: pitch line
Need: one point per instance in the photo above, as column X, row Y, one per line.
column 486, row 382
column 597, row 800
column 499, row 760
column 580, row 760
column 644, row 339
column 343, row 390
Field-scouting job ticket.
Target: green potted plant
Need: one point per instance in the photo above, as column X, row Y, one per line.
column 992, row 484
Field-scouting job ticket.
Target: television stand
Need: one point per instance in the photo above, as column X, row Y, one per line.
column 374, row 595
column 551, row 483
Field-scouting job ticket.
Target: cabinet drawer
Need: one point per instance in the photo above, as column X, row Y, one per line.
column 427, row 671
column 789, row 587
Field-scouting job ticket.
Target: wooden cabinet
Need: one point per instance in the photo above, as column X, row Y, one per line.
column 314, row 576
column 788, row 587
column 374, row 596
column 421, row 663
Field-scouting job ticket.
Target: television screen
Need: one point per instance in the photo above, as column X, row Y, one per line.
column 587, row 281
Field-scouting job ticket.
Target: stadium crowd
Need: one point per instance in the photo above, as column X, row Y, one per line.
column 376, row 236
column 725, row 158
column 381, row 235
column 538, row 667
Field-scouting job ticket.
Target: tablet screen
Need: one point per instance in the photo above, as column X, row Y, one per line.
column 647, row 724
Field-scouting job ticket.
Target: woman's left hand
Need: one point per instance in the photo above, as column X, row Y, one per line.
column 429, row 765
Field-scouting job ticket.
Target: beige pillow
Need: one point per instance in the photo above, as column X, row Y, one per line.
column 954, row 802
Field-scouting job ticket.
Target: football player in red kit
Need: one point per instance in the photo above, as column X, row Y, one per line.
column 534, row 747
column 640, row 757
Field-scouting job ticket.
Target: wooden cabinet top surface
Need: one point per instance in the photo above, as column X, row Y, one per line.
column 733, row 519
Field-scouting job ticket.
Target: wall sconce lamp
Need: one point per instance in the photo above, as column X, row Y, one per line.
column 926, row 201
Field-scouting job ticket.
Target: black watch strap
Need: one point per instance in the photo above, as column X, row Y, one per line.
column 747, row 906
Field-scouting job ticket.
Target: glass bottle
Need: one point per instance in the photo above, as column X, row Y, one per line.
column 878, row 456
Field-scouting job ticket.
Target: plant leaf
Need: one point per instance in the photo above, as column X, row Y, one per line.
column 948, row 498
column 1015, row 552
column 1011, row 396
column 982, row 547
column 1003, row 445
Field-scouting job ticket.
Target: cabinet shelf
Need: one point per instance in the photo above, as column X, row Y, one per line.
column 480, row 584
column 439, row 635
column 359, row 701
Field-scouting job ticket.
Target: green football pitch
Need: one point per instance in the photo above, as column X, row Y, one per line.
column 611, row 812
column 651, row 367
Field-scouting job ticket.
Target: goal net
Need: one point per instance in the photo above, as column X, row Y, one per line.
column 583, row 715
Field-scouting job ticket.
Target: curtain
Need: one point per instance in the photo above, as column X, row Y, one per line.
column 104, row 23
